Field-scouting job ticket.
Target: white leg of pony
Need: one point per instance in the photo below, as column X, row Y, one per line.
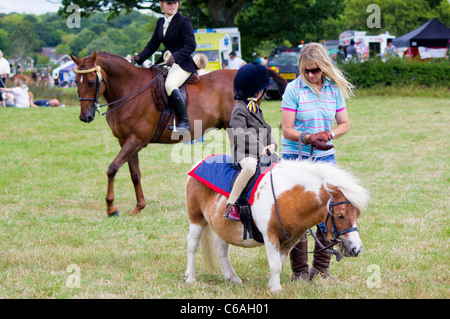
column 228, row 271
column 275, row 264
column 193, row 240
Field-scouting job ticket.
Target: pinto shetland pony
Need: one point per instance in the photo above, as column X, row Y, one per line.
column 303, row 191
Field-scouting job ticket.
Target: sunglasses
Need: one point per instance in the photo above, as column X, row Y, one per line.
column 312, row 71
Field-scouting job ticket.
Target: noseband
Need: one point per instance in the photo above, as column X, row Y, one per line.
column 99, row 78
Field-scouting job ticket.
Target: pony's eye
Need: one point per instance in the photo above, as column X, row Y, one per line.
column 340, row 216
column 91, row 83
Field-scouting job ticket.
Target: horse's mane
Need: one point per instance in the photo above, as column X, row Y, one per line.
column 331, row 175
column 112, row 55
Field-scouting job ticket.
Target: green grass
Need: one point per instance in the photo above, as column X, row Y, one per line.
column 53, row 213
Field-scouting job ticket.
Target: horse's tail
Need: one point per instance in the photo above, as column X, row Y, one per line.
column 209, row 251
column 279, row 81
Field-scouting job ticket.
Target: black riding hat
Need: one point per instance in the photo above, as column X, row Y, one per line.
column 250, row 79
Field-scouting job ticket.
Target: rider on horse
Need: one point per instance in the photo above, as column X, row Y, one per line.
column 177, row 34
column 251, row 134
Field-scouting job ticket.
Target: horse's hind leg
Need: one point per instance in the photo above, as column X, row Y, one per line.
column 135, row 172
column 228, row 271
column 193, row 240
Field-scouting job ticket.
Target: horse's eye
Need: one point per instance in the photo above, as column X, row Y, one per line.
column 340, row 216
column 91, row 83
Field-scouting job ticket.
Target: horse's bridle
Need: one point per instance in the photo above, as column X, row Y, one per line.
column 97, row 69
column 337, row 233
column 330, row 214
column 98, row 107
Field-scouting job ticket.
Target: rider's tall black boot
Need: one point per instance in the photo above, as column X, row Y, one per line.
column 176, row 100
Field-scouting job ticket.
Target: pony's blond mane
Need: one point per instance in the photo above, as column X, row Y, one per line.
column 331, row 175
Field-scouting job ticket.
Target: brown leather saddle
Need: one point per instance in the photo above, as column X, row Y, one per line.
column 161, row 99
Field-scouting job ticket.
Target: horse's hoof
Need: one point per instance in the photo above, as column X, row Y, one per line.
column 115, row 214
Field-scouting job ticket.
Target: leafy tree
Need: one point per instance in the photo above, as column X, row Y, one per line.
column 4, row 40
column 285, row 20
column 211, row 13
column 81, row 41
column 397, row 16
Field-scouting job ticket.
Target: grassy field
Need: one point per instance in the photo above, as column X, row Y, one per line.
column 56, row 241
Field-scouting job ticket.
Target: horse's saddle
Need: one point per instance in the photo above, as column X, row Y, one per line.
column 159, row 93
column 219, row 173
column 161, row 99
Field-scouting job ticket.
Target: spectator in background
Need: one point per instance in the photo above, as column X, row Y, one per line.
column 340, row 57
column 5, row 70
column 20, row 92
column 45, row 103
column 390, row 51
column 235, row 62
column 351, row 51
column 56, row 80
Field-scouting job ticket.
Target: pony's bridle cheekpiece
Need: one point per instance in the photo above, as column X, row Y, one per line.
column 337, row 233
column 97, row 69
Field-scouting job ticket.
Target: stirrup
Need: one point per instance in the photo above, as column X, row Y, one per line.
column 231, row 213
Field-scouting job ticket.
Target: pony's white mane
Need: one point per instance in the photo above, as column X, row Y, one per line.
column 329, row 175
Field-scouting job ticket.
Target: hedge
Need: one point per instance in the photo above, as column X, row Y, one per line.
column 399, row 72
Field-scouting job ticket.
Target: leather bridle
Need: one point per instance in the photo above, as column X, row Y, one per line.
column 97, row 69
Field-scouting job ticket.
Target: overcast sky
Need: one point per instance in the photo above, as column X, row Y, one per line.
column 29, row 6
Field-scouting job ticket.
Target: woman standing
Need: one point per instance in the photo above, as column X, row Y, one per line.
column 310, row 105
column 175, row 31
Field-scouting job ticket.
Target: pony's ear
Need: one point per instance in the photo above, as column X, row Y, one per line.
column 75, row 59
column 94, row 56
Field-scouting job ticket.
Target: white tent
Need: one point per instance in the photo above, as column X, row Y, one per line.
column 66, row 67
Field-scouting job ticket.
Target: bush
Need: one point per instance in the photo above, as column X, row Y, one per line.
column 399, row 73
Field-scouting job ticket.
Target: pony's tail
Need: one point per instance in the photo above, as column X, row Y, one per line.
column 208, row 248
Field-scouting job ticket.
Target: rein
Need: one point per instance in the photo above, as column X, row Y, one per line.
column 336, row 233
column 97, row 69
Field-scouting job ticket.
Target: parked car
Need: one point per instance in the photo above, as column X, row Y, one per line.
column 284, row 60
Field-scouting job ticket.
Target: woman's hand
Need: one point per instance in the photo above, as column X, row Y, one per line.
column 320, row 140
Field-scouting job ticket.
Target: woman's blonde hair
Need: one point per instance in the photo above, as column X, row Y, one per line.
column 316, row 53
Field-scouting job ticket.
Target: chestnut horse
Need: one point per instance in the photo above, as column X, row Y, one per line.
column 133, row 115
column 306, row 194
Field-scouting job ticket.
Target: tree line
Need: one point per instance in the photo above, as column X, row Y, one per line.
column 122, row 29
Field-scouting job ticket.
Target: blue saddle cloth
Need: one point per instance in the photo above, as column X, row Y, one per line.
column 217, row 172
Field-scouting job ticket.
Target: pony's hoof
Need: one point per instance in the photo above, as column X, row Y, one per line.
column 115, row 214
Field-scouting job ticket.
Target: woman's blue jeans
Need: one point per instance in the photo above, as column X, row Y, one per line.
column 328, row 159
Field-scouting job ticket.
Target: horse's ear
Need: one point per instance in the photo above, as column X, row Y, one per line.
column 75, row 59
column 94, row 56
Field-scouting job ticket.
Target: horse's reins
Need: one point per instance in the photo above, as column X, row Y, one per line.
column 336, row 233
column 97, row 70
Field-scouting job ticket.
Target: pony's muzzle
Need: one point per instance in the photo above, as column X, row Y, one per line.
column 352, row 244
